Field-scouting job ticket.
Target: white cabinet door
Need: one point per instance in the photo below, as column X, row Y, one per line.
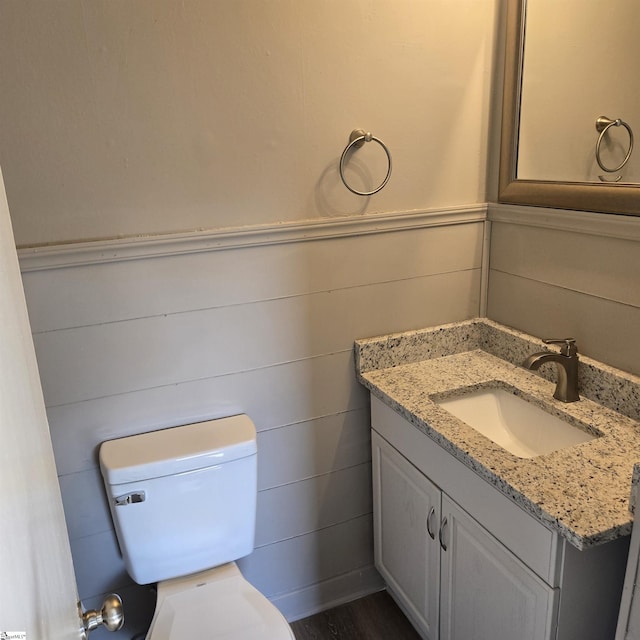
column 486, row 592
column 406, row 517
column 629, row 616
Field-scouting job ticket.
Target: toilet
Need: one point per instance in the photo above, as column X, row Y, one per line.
column 183, row 502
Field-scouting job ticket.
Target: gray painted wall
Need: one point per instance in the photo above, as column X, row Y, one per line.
column 124, row 118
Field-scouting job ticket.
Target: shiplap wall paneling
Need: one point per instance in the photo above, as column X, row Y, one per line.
column 83, row 496
column 266, row 330
column 311, row 448
column 604, row 329
column 601, row 266
column 292, row 455
column 85, row 510
column 321, row 502
column 295, row 563
column 106, row 291
column 124, row 356
column 285, row 394
column 97, row 563
column 556, row 283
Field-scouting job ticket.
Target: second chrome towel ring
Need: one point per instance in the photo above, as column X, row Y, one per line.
column 603, row 124
column 357, row 138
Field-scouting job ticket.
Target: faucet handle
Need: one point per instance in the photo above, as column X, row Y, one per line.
column 568, row 348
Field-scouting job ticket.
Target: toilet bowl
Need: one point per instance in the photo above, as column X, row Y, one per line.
column 183, row 502
column 215, row 604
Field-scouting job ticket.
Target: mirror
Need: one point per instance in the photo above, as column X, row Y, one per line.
column 563, row 70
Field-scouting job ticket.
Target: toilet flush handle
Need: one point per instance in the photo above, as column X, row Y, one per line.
column 111, row 615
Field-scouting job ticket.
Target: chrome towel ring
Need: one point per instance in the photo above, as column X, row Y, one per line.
column 357, row 138
column 603, row 124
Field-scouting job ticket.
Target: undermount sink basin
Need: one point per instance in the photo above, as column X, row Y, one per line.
column 518, row 426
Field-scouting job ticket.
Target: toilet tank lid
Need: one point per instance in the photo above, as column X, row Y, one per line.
column 177, row 450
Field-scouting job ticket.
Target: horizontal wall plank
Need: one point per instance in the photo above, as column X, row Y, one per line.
column 329, row 593
column 299, row 562
column 95, row 361
column 99, row 293
column 601, row 266
column 314, row 447
column 272, row 397
column 601, row 327
column 85, row 503
column 98, row 564
column 320, row 502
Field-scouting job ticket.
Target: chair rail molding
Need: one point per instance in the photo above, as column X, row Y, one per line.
column 135, row 248
column 589, row 223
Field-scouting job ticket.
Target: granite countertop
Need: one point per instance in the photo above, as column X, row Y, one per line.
column 581, row 492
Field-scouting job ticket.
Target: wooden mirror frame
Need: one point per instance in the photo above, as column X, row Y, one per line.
column 583, row 196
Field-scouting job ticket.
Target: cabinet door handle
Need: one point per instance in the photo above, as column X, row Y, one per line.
column 441, row 534
column 430, row 531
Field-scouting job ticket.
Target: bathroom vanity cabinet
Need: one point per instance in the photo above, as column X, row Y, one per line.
column 465, row 562
column 445, row 567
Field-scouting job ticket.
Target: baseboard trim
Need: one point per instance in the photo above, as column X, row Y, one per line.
column 329, row 593
column 121, row 249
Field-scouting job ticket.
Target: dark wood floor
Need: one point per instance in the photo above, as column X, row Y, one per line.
column 375, row 617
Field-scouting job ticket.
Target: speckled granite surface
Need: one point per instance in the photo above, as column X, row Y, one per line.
column 583, row 491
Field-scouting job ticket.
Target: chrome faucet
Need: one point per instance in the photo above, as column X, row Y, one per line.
column 567, row 361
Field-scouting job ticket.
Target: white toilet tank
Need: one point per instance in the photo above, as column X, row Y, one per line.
column 183, row 499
